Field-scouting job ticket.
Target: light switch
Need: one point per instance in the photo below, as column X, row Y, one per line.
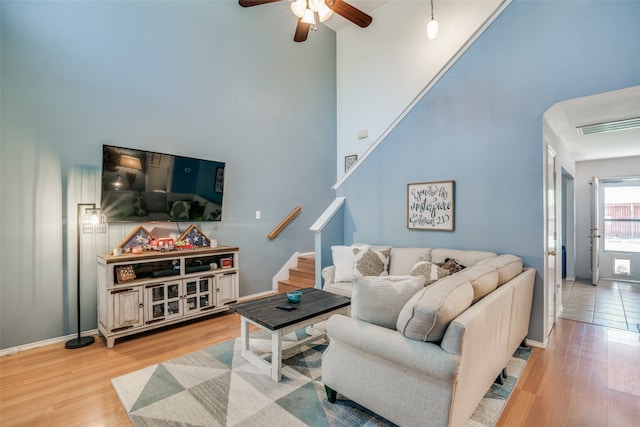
column 258, row 214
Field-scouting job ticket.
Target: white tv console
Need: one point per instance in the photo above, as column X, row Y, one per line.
column 139, row 292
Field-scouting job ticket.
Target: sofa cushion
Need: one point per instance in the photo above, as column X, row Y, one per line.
column 371, row 261
column 180, row 209
column 483, row 278
column 156, row 201
column 508, row 266
column 378, row 300
column 430, row 271
column 402, row 260
column 464, row 257
column 427, row 314
column 343, row 259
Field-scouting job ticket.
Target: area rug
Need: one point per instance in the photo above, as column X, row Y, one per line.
column 217, row 387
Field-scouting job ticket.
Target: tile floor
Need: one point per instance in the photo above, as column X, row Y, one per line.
column 612, row 303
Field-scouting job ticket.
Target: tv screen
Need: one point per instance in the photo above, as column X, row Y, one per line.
column 144, row 186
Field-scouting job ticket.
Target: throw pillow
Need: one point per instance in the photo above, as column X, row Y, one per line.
column 180, row 209
column 371, row 261
column 451, row 265
column 343, row 259
column 426, row 316
column 378, row 300
column 140, row 206
column 430, row 271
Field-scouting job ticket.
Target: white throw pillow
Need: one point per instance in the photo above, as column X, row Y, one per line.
column 379, row 300
column 343, row 259
column 371, row 261
column 429, row 270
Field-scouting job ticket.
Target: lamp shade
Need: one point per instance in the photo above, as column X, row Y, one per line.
column 130, row 162
column 298, row 7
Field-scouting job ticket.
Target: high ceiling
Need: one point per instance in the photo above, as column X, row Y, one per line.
column 622, row 104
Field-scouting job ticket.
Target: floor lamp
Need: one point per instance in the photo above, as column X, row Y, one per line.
column 90, row 220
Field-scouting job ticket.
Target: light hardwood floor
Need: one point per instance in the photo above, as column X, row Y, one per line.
column 588, row 376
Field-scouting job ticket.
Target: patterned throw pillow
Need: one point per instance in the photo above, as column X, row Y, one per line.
column 429, row 270
column 371, row 261
column 180, row 209
column 140, row 206
column 451, row 265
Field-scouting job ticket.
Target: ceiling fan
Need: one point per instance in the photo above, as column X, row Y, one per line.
column 306, row 11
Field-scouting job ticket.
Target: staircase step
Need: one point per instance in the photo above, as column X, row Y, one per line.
column 288, row 285
column 302, row 276
column 307, row 262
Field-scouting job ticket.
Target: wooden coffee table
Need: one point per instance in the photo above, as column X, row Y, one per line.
column 314, row 307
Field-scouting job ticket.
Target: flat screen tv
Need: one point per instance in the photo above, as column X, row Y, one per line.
column 144, row 186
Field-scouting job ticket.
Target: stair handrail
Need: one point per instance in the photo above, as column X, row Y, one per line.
column 284, row 223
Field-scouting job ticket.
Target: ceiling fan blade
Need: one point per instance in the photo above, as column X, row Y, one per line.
column 349, row 12
column 302, row 31
column 249, row 3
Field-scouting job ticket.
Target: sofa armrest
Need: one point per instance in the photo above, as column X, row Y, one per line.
column 328, row 274
column 424, row 358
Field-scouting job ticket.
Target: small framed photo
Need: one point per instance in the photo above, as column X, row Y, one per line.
column 430, row 206
column 350, row 161
column 226, row 262
column 219, row 184
column 125, row 273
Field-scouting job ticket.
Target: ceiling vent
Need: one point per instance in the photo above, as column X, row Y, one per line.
column 609, row 126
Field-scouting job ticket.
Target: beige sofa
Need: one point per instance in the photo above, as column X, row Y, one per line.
column 427, row 355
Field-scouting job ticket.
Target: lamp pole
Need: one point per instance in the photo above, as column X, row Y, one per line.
column 80, row 341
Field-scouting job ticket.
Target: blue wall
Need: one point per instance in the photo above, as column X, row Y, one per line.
column 203, row 79
column 481, row 125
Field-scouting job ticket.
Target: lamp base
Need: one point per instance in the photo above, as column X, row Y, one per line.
column 79, row 342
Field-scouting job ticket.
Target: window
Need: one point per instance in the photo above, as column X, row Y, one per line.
column 622, row 218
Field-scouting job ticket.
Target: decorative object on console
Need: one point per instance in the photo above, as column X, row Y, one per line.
column 430, row 205
column 350, row 161
column 90, row 220
column 195, row 237
column 138, row 238
column 125, row 273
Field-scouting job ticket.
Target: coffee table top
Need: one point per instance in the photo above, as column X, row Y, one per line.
column 314, row 302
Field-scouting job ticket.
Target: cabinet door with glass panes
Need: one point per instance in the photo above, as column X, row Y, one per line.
column 198, row 294
column 163, row 301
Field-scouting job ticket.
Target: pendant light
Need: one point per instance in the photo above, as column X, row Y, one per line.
column 432, row 26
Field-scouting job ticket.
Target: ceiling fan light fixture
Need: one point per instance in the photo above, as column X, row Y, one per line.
column 309, row 17
column 315, row 5
column 298, row 7
column 324, row 13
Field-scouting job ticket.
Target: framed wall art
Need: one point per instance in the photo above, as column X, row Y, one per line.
column 350, row 161
column 431, row 205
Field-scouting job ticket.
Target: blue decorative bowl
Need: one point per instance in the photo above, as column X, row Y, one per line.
column 294, row 296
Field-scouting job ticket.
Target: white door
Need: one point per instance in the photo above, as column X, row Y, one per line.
column 552, row 287
column 595, row 227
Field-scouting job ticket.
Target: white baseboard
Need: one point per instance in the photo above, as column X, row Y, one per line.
column 15, row 350
column 533, row 343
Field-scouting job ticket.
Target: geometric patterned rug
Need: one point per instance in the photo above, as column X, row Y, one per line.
column 217, row 387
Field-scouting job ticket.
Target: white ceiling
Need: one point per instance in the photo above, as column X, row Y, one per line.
column 622, row 104
column 337, row 22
